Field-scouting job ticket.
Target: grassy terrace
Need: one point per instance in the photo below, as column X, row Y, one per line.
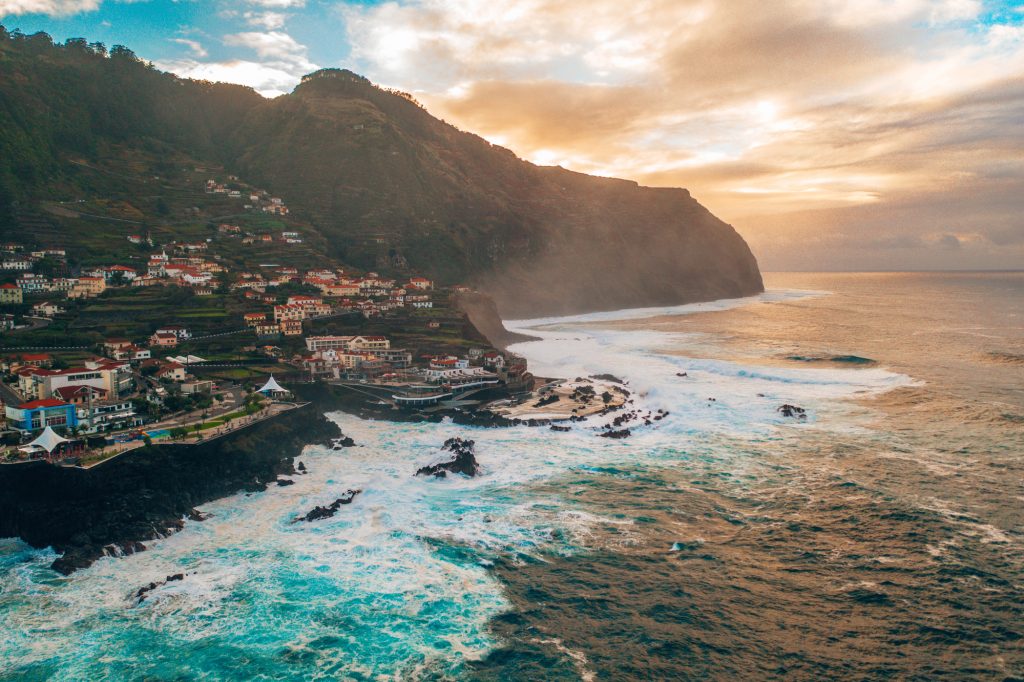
column 96, row 203
column 99, row 201
column 134, row 311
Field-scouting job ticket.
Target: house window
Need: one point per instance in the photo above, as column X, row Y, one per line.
column 57, row 419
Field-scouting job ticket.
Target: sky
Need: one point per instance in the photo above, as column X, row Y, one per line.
column 832, row 134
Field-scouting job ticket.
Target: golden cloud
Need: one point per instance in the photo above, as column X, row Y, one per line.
column 792, row 119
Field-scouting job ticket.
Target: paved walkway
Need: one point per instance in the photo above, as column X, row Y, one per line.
column 269, row 412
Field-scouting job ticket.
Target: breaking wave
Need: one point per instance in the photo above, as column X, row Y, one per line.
column 570, row 556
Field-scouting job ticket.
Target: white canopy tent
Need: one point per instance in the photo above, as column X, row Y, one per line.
column 47, row 440
column 272, row 387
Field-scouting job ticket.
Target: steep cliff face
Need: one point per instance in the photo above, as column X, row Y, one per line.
column 611, row 244
column 482, row 314
column 377, row 173
column 145, row 493
column 371, row 174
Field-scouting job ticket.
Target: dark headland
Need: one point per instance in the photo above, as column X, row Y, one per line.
column 107, row 161
column 377, row 181
column 113, row 508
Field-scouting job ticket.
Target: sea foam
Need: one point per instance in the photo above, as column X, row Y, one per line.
column 398, row 581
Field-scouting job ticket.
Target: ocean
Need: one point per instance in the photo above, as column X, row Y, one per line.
column 878, row 538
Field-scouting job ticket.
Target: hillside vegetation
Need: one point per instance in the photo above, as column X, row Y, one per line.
column 96, row 142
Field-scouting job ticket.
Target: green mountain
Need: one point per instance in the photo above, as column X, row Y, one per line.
column 377, row 181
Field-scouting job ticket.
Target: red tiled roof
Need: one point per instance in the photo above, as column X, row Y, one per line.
column 69, row 370
column 27, row 371
column 8, row 286
column 110, row 364
column 72, row 391
column 46, row 402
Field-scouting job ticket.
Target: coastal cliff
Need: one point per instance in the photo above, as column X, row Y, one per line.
column 385, row 181
column 372, row 181
column 144, row 494
column 482, row 314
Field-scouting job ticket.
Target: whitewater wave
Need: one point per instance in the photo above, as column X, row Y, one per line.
column 397, row 583
column 770, row 296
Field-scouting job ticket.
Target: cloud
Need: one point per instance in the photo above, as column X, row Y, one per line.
column 793, row 123
column 278, row 4
column 266, row 20
column 841, row 132
column 280, row 62
column 271, row 45
column 193, row 45
column 269, row 80
column 58, row 8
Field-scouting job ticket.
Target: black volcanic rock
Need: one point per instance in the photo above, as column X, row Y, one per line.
column 547, row 400
column 319, row 512
column 196, row 515
column 143, row 592
column 464, row 461
column 793, row 411
column 112, row 508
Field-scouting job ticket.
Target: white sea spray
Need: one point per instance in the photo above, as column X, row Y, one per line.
column 398, row 580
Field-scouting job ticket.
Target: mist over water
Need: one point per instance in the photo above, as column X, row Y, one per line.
column 879, row 538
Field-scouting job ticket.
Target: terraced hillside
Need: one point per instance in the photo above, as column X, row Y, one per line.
column 371, row 177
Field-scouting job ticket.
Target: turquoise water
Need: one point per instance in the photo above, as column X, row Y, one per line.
column 725, row 540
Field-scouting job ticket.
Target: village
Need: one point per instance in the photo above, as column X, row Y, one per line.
column 170, row 381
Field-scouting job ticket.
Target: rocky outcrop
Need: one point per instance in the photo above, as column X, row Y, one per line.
column 319, row 512
column 143, row 592
column 115, row 507
column 463, row 463
column 341, row 442
column 792, row 411
column 548, row 400
column 483, row 315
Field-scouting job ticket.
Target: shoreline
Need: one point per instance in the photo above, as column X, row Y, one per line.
column 88, row 513
column 490, row 413
column 147, row 493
